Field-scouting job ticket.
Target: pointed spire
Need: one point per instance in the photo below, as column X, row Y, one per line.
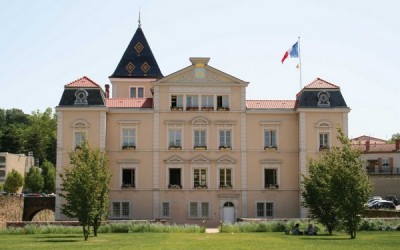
column 139, row 23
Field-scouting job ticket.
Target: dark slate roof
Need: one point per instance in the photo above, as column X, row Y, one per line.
column 95, row 95
column 138, row 60
column 308, row 96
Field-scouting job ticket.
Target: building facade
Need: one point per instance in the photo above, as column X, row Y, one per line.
column 20, row 162
column 189, row 147
column 382, row 163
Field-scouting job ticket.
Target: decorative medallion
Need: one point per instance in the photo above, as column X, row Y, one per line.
column 130, row 67
column 199, row 72
column 145, row 67
column 139, row 47
column 81, row 97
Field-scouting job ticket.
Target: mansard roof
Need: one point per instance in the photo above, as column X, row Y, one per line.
column 82, row 92
column 138, row 60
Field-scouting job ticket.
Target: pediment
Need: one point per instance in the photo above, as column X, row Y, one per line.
column 225, row 160
column 175, row 160
column 209, row 76
column 200, row 160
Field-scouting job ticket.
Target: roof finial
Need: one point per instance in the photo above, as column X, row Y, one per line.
column 140, row 24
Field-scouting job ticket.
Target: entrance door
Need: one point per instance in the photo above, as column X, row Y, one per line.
column 229, row 213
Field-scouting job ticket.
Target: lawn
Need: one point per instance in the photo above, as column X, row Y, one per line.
column 365, row 240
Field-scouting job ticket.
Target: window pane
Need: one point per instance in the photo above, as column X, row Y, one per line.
column 133, row 93
column 260, row 209
column 193, row 209
column 140, row 92
column 165, row 209
column 116, row 209
column 125, row 209
column 269, row 209
column 204, row 209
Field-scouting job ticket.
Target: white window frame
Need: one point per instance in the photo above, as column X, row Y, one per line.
column 128, row 124
column 80, row 127
column 274, row 165
column 225, row 101
column 165, row 209
column 182, row 97
column 385, row 164
column 324, row 128
column 176, row 131
column 205, row 101
column 225, row 185
column 134, row 142
column 198, row 212
column 265, row 209
column 128, row 165
column 193, row 100
column 207, row 177
column 270, row 126
column 120, row 216
column 136, row 91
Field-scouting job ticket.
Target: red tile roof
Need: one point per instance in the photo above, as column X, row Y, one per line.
column 321, row 84
column 375, row 147
column 83, row 82
column 270, row 104
column 129, row 102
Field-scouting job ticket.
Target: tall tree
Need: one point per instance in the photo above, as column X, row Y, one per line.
column 85, row 187
column 337, row 187
column 41, row 135
column 394, row 138
column 14, row 181
column 49, row 177
column 34, row 180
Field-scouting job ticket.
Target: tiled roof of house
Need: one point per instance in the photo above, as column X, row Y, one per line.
column 364, row 138
column 138, row 60
column 270, row 104
column 129, row 103
column 375, row 147
column 321, row 84
column 83, row 82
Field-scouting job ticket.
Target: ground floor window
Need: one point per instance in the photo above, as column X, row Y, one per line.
column 165, row 209
column 120, row 210
column 199, row 210
column 265, row 209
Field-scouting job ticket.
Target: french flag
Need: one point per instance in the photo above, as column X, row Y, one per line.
column 293, row 52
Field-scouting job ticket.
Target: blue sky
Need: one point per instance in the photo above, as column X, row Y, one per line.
column 45, row 44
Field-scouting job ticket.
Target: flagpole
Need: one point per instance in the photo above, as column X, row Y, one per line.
column 300, row 66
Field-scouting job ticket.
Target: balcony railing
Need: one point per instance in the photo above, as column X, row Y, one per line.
column 377, row 170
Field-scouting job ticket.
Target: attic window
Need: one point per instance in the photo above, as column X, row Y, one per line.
column 323, row 99
column 81, row 97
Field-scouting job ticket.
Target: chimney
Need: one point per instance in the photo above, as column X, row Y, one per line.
column 107, row 90
column 367, row 146
column 397, row 144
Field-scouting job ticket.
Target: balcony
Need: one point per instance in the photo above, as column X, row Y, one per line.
column 376, row 170
column 270, row 148
column 174, row 186
column 200, row 147
column 207, row 108
column 271, row 186
column 128, row 186
column 225, row 148
column 192, row 108
column 176, row 108
column 175, row 147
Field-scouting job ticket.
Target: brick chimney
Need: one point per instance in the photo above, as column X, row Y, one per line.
column 107, row 90
column 367, row 145
column 397, row 144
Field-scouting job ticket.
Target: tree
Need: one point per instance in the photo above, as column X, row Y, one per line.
column 394, row 138
column 337, row 187
column 85, row 187
column 14, row 181
column 34, row 180
column 49, row 177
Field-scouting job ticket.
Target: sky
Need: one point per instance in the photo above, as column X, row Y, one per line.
column 46, row 44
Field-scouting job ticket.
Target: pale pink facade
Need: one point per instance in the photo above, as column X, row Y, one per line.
column 189, row 147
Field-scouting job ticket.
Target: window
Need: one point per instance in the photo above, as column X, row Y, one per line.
column 165, row 210
column 79, row 137
column 207, row 102
column 270, row 139
column 128, row 178
column 120, row 210
column 323, row 141
column 175, row 138
column 136, row 92
column 176, row 102
column 2, row 159
column 270, row 178
column 199, row 138
column 2, row 173
column 264, row 209
column 200, row 178
column 199, row 210
column 385, row 165
column 222, row 102
column 192, row 102
column 175, row 178
column 225, row 178
column 128, row 138
column 225, row 140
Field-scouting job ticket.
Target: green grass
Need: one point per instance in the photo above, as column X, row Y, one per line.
column 365, row 240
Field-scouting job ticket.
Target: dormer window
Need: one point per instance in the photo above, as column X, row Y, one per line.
column 81, row 97
column 323, row 99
